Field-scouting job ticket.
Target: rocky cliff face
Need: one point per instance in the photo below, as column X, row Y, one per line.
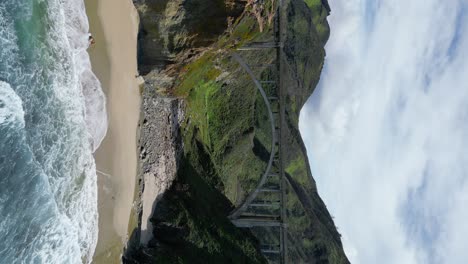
column 160, row 152
column 170, row 27
column 211, row 127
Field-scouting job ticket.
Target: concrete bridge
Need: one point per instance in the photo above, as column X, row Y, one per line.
column 269, row 213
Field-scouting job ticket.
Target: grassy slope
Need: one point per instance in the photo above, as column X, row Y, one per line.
column 226, row 137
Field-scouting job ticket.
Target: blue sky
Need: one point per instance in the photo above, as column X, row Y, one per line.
column 387, row 130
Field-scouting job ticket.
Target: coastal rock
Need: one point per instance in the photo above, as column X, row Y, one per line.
column 160, row 151
column 169, row 27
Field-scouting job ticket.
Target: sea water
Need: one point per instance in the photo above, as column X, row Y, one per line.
column 52, row 118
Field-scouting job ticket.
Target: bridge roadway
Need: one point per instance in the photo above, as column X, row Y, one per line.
column 241, row 217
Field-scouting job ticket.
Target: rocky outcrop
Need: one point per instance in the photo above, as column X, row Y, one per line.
column 161, row 148
column 169, row 27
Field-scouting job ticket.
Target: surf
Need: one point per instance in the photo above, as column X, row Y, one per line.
column 52, row 119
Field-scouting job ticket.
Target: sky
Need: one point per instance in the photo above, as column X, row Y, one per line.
column 387, row 130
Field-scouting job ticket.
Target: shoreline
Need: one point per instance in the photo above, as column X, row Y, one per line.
column 114, row 26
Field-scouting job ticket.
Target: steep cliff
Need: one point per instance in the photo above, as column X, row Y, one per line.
column 219, row 133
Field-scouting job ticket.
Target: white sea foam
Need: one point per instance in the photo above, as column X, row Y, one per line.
column 80, row 202
column 48, row 202
column 11, row 106
column 77, row 32
column 52, row 116
column 77, row 28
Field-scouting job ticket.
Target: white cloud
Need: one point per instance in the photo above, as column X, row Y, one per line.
column 387, row 130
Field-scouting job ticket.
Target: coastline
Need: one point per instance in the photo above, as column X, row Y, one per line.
column 114, row 26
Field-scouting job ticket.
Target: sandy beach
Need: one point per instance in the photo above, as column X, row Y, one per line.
column 114, row 26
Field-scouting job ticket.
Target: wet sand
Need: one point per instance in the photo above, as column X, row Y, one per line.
column 114, row 25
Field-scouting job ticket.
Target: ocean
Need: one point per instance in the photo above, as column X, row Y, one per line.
column 52, row 118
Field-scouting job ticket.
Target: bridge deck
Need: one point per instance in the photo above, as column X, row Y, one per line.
column 241, row 216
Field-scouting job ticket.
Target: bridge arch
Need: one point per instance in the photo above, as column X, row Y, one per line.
column 274, row 138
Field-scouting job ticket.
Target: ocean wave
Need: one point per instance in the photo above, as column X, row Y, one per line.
column 95, row 115
column 77, row 27
column 11, row 106
column 52, row 118
column 32, row 229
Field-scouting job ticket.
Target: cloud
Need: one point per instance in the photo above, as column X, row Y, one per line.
column 387, row 129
